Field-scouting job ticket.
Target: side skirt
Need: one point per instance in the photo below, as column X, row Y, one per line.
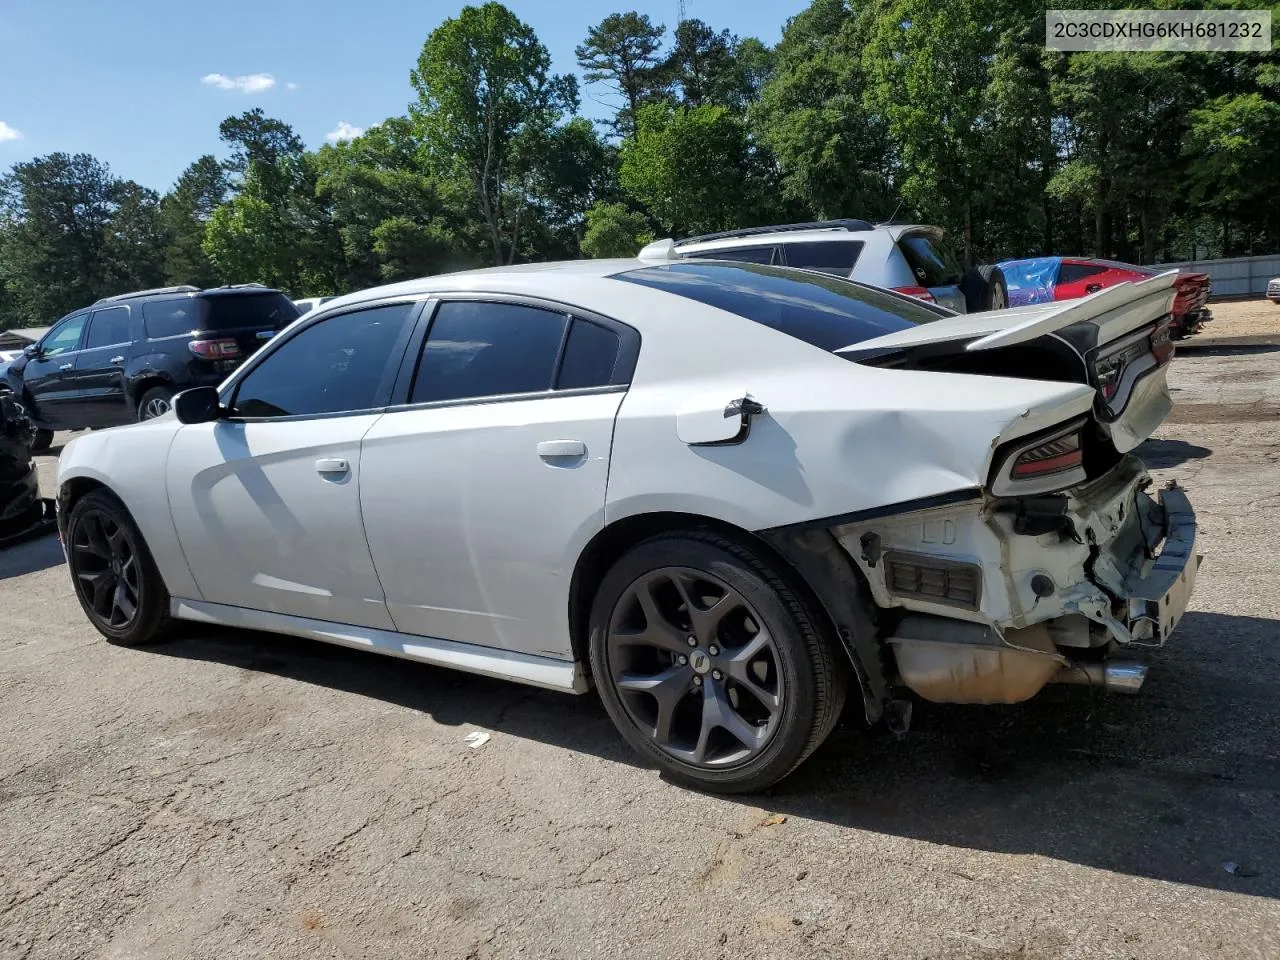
column 546, row 672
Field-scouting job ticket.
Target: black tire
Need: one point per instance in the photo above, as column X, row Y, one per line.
column 41, row 440
column 808, row 672
column 152, row 402
column 984, row 289
column 97, row 524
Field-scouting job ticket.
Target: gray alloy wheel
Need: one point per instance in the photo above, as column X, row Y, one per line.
column 155, row 403
column 695, row 667
column 108, row 577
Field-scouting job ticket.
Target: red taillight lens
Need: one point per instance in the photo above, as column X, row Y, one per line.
column 1052, row 456
column 214, row 349
column 920, row 293
column 1162, row 342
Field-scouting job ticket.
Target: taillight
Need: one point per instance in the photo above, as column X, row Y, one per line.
column 1058, row 455
column 214, row 349
column 920, row 293
column 1162, row 342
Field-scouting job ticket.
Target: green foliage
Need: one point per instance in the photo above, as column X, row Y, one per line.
column 486, row 98
column 185, row 211
column 613, row 230
column 256, row 138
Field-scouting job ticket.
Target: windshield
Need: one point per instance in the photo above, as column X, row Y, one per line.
column 821, row 310
column 930, row 260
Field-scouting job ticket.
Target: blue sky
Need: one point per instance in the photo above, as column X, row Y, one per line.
column 143, row 84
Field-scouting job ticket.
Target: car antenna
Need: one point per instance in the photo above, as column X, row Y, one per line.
column 893, row 216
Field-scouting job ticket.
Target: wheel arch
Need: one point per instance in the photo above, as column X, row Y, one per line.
column 137, row 388
column 812, row 563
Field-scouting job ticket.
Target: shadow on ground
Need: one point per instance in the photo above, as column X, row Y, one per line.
column 1161, row 454
column 1171, row 784
column 1230, row 346
column 28, row 556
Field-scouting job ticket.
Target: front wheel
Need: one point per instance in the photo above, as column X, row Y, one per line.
column 155, row 403
column 711, row 665
column 115, row 579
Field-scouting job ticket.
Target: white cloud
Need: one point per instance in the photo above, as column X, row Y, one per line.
column 8, row 133
column 343, row 131
column 249, row 83
column 292, row 86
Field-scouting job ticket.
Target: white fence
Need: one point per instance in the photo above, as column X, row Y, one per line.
column 1236, row 277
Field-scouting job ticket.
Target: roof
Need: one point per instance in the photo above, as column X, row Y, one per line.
column 27, row 333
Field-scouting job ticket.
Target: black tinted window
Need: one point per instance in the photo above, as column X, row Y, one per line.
column 931, row 263
column 257, row 311
column 108, row 327
column 1072, row 272
column 589, row 356
column 825, row 311
column 335, row 365
column 738, row 254
column 829, row 256
column 487, row 349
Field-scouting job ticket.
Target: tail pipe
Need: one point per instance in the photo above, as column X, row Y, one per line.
column 1118, row 676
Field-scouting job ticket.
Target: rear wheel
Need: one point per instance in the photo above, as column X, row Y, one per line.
column 710, row 665
column 155, row 403
column 115, row 579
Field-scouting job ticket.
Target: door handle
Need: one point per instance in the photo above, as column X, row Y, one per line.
column 551, row 449
column 66, row 366
column 332, row 465
column 116, row 360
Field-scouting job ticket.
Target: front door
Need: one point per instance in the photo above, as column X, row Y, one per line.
column 480, row 493
column 48, row 377
column 267, row 502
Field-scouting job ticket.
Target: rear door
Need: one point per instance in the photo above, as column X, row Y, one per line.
column 933, row 266
column 99, row 370
column 481, row 488
column 49, row 378
column 836, row 257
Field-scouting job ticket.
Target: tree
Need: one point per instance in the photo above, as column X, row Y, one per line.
column 613, row 230
column 134, row 239
column 695, row 170
column 253, row 136
column 834, row 155
column 57, row 213
column 484, row 92
column 622, row 52
column 185, row 213
column 703, row 68
column 576, row 169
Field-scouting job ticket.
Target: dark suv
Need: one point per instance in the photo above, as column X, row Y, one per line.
column 124, row 358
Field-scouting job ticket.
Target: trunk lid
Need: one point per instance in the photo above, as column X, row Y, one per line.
column 1118, row 338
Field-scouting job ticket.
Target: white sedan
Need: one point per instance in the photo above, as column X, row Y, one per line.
column 727, row 495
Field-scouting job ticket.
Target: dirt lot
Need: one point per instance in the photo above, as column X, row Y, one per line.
column 239, row 795
column 1242, row 318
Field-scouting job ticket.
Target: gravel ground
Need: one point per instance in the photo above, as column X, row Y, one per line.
column 240, row 795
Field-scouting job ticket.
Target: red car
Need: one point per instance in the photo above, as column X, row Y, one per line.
column 1046, row 279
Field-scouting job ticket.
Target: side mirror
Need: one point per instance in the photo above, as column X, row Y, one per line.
column 31, row 350
column 197, row 405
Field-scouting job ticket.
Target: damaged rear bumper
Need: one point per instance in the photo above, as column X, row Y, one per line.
column 994, row 599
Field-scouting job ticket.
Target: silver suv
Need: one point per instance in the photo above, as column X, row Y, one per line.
column 911, row 259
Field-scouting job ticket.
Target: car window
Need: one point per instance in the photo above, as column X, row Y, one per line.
column 829, row 256
column 339, row 364
column 1073, row 272
column 590, row 356
column 486, row 349
column 64, row 337
column 233, row 311
column 931, row 262
column 171, row 318
column 824, row 311
column 108, row 327
column 767, row 254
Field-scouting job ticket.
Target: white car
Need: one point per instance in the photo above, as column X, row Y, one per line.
column 1273, row 290
column 724, row 494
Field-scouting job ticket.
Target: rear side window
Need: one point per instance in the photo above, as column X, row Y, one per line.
column 108, row 327
column 824, row 311
column 590, row 356
column 1072, row 272
column 486, row 349
column 829, row 256
column 767, row 254
column 255, row 311
column 337, row 365
column 931, row 262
